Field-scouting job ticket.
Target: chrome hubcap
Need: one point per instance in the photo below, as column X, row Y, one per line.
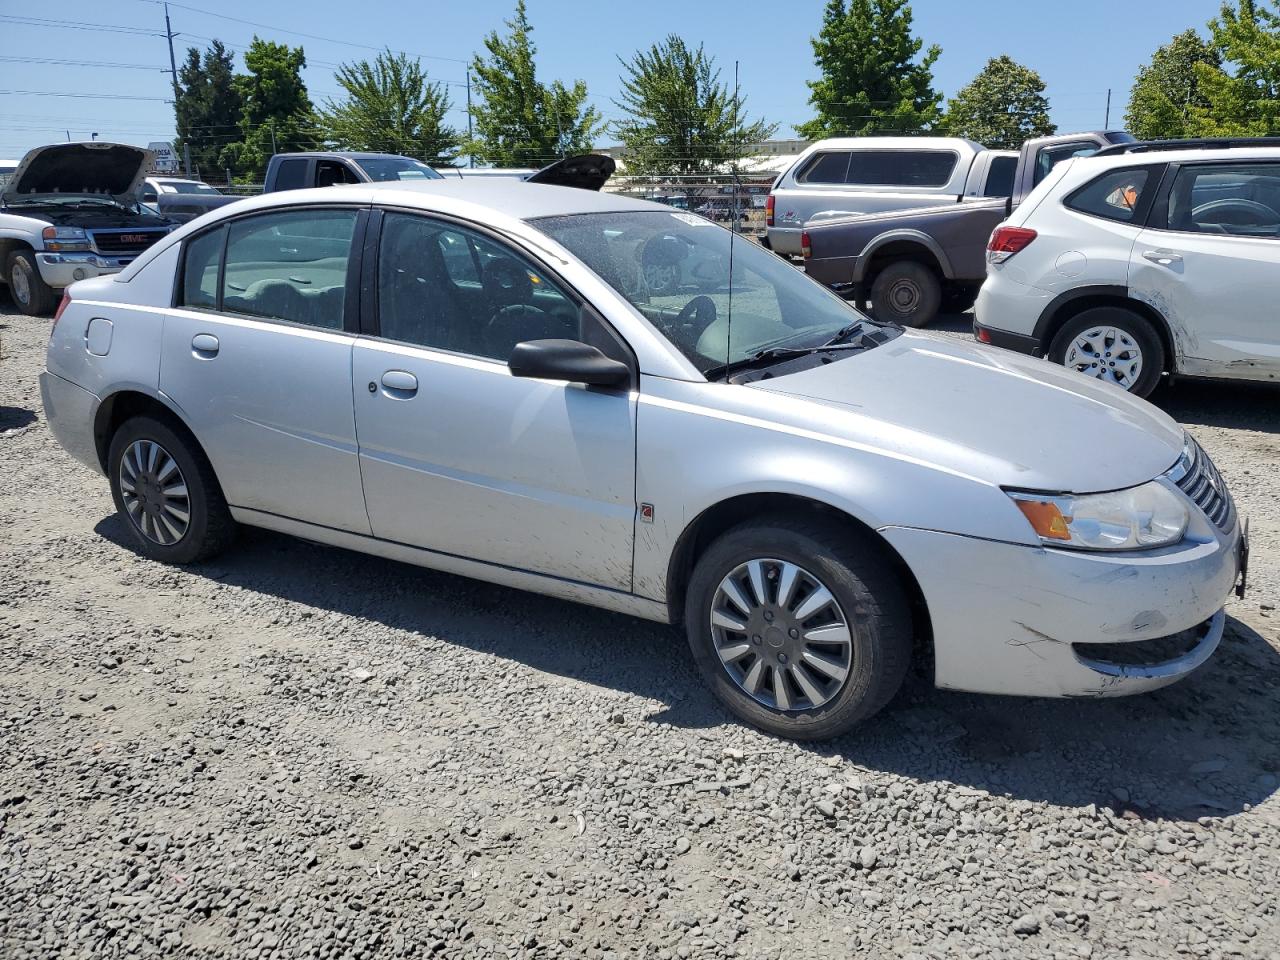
column 21, row 284
column 781, row 635
column 154, row 492
column 1107, row 353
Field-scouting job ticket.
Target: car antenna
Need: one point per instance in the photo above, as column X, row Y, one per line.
column 733, row 216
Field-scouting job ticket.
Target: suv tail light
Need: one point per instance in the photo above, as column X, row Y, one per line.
column 806, row 250
column 57, row 314
column 768, row 211
column 1006, row 241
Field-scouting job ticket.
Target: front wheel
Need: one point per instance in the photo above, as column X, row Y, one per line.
column 30, row 293
column 1111, row 344
column 907, row 293
column 799, row 629
column 166, row 493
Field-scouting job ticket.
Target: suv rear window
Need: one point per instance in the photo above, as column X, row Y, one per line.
column 1113, row 196
column 882, row 168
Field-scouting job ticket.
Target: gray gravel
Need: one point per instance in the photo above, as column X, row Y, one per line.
column 297, row 751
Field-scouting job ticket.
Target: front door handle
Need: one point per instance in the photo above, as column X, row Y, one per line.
column 400, row 382
column 1166, row 258
column 204, row 346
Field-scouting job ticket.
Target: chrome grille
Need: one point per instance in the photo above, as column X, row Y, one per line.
column 1199, row 479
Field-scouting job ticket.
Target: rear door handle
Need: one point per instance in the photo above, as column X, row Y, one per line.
column 400, row 382
column 204, row 346
column 1166, row 258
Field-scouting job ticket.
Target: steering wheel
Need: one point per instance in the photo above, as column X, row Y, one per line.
column 1255, row 213
column 698, row 314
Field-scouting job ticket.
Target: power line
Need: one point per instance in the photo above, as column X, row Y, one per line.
column 85, row 96
column 76, row 25
column 103, row 64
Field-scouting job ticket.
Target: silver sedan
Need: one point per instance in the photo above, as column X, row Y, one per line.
column 481, row 378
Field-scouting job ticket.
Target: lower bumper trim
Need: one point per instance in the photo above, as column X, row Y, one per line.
column 1008, row 341
column 1171, row 656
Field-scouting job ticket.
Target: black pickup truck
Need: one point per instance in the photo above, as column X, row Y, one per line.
column 911, row 263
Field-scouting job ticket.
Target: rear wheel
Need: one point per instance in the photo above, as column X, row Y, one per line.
column 166, row 494
column 798, row 629
column 1111, row 344
column 906, row 292
column 30, row 293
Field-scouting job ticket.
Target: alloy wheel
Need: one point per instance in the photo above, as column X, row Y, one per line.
column 781, row 635
column 1107, row 353
column 155, row 492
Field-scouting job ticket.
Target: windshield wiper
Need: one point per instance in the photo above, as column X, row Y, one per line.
column 770, row 354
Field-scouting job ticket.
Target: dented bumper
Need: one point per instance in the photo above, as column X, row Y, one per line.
column 1029, row 621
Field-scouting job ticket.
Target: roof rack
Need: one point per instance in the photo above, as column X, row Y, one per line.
column 1219, row 143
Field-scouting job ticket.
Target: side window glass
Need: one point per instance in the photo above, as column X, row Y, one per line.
column 201, row 260
column 290, row 266
column 291, row 174
column 1235, row 200
column 826, row 168
column 1050, row 157
column 428, row 295
column 1000, row 177
column 1114, row 196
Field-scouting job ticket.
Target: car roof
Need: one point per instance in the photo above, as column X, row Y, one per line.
column 1146, row 159
column 897, row 143
column 512, row 197
column 347, row 154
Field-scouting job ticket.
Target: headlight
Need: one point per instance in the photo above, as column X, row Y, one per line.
column 63, row 239
column 1135, row 519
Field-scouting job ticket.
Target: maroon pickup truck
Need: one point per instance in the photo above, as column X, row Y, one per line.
column 911, row 263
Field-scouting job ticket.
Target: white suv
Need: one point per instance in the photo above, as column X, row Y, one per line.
column 1142, row 260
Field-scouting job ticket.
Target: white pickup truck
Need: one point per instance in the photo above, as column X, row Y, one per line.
column 71, row 211
column 846, row 175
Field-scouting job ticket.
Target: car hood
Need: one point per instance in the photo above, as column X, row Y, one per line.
column 991, row 414
column 93, row 168
column 588, row 171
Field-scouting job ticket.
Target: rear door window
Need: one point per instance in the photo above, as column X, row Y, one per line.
column 202, row 257
column 289, row 266
column 1229, row 199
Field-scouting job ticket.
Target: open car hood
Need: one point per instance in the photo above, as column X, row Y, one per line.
column 589, row 171
column 93, row 169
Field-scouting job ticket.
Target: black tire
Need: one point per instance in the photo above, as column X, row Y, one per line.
column 856, row 572
column 907, row 293
column 210, row 529
column 958, row 298
column 23, row 274
column 1126, row 321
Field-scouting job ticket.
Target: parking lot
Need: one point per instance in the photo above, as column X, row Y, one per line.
column 300, row 751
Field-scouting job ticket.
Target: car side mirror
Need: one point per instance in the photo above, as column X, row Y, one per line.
column 569, row 360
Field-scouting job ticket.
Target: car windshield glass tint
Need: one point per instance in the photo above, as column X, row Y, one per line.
column 396, row 168
column 674, row 268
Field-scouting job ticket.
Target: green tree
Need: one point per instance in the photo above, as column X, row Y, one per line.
column 1168, row 90
column 1001, row 107
column 873, row 78
column 276, row 116
column 683, row 120
column 391, row 107
column 520, row 121
column 1246, row 100
column 208, row 106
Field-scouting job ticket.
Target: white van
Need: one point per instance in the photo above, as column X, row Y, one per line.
column 874, row 174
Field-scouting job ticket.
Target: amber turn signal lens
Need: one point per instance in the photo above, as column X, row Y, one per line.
column 1045, row 518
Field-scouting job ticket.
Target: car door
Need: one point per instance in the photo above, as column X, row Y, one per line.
column 1208, row 261
column 460, row 456
column 257, row 356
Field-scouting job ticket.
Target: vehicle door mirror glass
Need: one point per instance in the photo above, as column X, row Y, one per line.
column 568, row 360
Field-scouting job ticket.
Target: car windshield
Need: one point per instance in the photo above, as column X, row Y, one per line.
column 382, row 169
column 187, row 186
column 675, row 269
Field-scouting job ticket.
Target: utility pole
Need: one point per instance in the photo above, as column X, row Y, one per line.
column 272, row 122
column 1106, row 124
column 471, row 156
column 173, row 72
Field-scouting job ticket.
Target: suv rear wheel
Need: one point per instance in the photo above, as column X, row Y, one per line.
column 798, row 629
column 906, row 292
column 1112, row 344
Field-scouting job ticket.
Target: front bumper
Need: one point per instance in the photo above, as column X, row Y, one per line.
column 63, row 269
column 1031, row 621
column 71, row 412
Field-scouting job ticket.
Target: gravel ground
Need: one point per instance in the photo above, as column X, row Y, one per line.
column 297, row 751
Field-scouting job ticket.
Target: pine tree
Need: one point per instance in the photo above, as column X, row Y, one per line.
column 208, row 106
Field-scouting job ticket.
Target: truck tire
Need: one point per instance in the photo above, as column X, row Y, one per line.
column 907, row 293
column 30, row 293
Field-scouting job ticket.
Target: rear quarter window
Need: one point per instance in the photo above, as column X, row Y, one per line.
column 825, row 168
column 1117, row 195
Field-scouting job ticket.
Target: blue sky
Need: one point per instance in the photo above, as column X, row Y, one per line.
column 1080, row 49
